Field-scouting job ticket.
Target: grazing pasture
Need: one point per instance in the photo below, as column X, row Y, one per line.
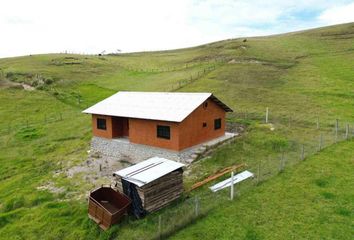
column 304, row 78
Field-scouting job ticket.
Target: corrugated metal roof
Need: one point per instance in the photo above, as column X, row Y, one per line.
column 149, row 170
column 227, row 183
column 165, row 106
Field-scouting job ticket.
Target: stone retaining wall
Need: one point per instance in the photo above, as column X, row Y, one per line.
column 123, row 149
column 135, row 152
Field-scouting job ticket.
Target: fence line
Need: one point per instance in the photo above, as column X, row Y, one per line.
column 264, row 169
column 183, row 66
column 190, row 209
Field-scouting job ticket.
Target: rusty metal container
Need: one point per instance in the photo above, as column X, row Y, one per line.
column 107, row 206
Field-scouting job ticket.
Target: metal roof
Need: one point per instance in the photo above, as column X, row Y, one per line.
column 227, row 183
column 165, row 106
column 149, row 170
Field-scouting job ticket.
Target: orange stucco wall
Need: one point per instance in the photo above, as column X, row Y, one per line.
column 108, row 133
column 144, row 131
column 191, row 129
column 186, row 134
column 115, row 127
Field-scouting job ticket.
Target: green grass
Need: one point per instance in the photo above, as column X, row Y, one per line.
column 314, row 200
column 301, row 77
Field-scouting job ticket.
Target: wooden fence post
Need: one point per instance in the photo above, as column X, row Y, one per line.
column 267, row 112
column 259, row 172
column 320, row 142
column 160, row 227
column 336, row 130
column 196, row 206
column 302, row 152
column 282, row 161
column 347, row 131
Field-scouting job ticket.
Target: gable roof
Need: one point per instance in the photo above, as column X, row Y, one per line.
column 149, row 170
column 164, row 106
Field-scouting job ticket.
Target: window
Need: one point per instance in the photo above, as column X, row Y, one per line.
column 205, row 105
column 163, row 132
column 217, row 123
column 101, row 123
column 204, row 124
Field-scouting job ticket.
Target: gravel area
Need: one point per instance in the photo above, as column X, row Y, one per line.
column 109, row 155
column 133, row 153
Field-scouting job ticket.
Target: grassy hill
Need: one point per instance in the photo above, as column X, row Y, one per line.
column 304, row 78
column 282, row 209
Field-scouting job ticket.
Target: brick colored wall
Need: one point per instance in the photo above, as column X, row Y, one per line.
column 191, row 130
column 108, row 133
column 144, row 131
column 116, row 127
column 186, row 134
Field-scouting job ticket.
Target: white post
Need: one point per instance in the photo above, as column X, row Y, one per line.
column 232, row 186
column 336, row 130
column 267, row 111
column 347, row 131
column 259, row 172
column 160, row 228
column 196, row 206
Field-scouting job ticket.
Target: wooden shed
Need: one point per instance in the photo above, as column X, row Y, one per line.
column 151, row 184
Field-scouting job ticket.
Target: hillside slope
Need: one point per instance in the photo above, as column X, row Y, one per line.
column 305, row 78
column 282, row 209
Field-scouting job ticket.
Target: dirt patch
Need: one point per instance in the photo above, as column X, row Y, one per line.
column 252, row 61
column 50, row 186
column 27, row 87
column 66, row 61
column 235, row 127
column 8, row 84
column 99, row 168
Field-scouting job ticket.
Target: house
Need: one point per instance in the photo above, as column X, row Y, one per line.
column 174, row 121
column 151, row 184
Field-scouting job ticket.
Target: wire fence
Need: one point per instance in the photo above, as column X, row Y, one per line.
column 211, row 61
column 201, row 64
column 194, row 206
column 316, row 135
column 35, row 121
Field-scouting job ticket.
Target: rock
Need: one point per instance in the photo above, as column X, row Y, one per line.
column 194, row 156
